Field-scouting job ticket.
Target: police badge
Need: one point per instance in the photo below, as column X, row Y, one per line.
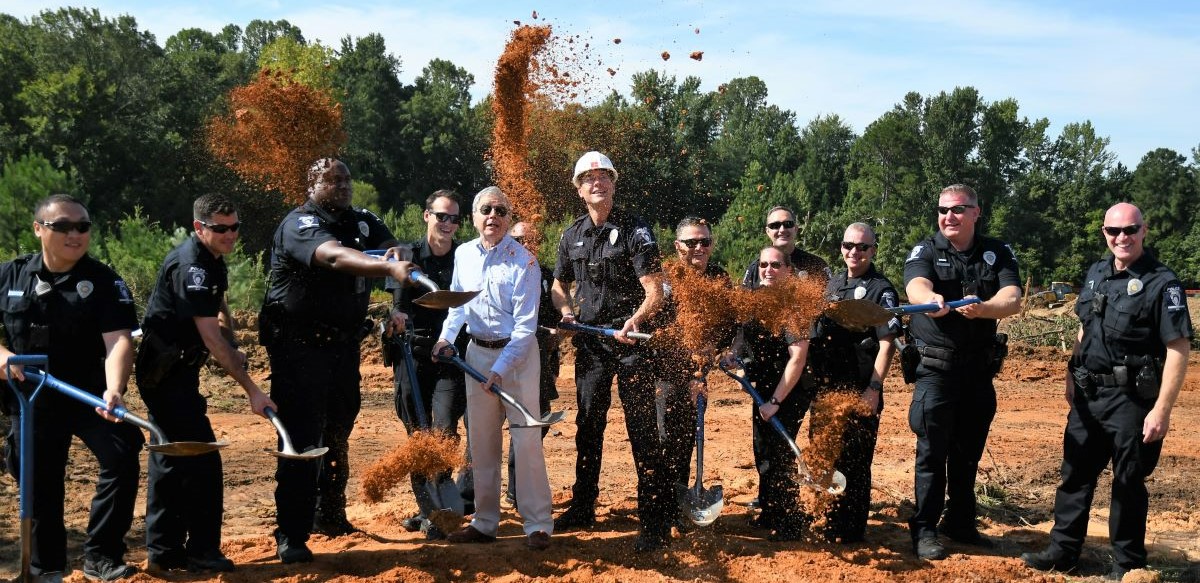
column 364, row 228
column 84, row 288
column 1134, row 286
column 989, row 257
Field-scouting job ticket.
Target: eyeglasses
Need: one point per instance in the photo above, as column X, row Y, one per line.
column 591, row 177
column 222, row 229
column 862, row 247
column 702, row 241
column 957, row 209
column 447, row 217
column 1129, row 230
column 771, row 264
column 519, row 238
column 487, row 209
column 781, row 224
column 67, row 226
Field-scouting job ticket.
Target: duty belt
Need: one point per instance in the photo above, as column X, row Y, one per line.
column 492, row 344
column 1107, row 380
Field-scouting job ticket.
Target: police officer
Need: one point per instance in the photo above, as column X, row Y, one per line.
column 1127, row 368
column 312, row 323
column 612, row 258
column 855, row 361
column 187, row 319
column 65, row 304
column 443, row 390
column 954, row 400
column 781, row 229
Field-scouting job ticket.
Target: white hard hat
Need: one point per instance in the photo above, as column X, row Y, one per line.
column 591, row 161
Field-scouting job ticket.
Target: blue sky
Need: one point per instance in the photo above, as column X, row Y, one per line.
column 1133, row 69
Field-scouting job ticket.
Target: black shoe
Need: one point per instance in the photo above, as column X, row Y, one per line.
column 929, row 548
column 213, row 561
column 647, row 542
column 164, row 564
column 762, row 521
column 432, row 532
column 967, row 536
column 333, row 527
column 1050, row 559
column 1118, row 573
column 414, row 524
column 754, row 503
column 291, row 552
column 575, row 517
column 48, row 577
column 106, row 569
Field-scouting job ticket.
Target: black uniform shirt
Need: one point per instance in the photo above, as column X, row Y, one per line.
column 606, row 262
column 872, row 286
column 441, row 271
column 805, row 263
column 983, row 270
column 191, row 284
column 765, row 355
column 1144, row 308
column 314, row 293
column 68, row 321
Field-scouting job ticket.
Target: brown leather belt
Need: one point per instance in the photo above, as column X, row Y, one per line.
column 492, row 344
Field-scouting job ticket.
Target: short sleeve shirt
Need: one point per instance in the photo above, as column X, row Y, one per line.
column 441, row 270
column 871, row 286
column 605, row 262
column 191, row 284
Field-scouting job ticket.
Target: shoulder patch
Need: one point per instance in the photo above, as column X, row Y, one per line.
column 197, row 278
column 916, row 253
column 888, row 299
column 307, row 222
column 642, row 236
column 1173, row 298
column 123, row 294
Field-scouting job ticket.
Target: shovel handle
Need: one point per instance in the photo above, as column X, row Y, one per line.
column 415, row 276
column 92, row 400
column 932, row 307
column 599, row 331
column 283, row 434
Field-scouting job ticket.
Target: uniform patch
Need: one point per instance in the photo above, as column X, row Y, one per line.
column 860, row 292
column 1134, row 286
column 1173, row 295
column 916, row 253
column 123, row 294
column 197, row 279
column 888, row 299
column 85, row 288
column 364, row 228
column 16, row 293
column 612, row 236
column 989, row 257
column 642, row 237
column 307, row 222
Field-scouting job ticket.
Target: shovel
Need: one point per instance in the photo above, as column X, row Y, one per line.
column 598, row 331
column 450, row 355
column 703, row 505
column 436, row 298
column 837, row 482
column 443, row 493
column 289, row 452
column 863, row 314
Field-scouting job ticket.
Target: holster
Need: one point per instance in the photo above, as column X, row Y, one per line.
column 910, row 357
column 1148, row 376
column 156, row 359
column 387, row 342
column 937, row 357
column 1083, row 380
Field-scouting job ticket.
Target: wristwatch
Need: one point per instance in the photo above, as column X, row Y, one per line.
column 773, row 401
column 874, row 384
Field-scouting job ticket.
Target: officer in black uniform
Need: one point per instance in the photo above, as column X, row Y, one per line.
column 65, row 304
column 547, row 339
column 612, row 258
column 781, row 229
column 1128, row 365
column 855, row 361
column 312, row 323
column 443, row 388
column 954, row 400
column 187, row 318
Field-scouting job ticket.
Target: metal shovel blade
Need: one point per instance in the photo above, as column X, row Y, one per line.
column 186, row 448
column 705, row 504
column 289, row 451
column 445, row 299
column 858, row 314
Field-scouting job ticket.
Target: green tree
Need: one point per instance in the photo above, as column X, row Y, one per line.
column 312, row 64
column 260, row 33
column 371, row 93
column 826, row 142
column 23, row 182
column 1165, row 187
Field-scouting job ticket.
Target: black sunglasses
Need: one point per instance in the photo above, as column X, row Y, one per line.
column 778, row 224
column 957, row 209
column 771, row 264
column 446, row 217
column 222, row 229
column 863, row 247
column 501, row 211
column 67, row 226
column 1129, row 230
column 691, row 243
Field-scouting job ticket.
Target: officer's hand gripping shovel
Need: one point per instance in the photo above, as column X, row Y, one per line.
column 598, row 331
column 836, row 482
column 450, row 355
column 703, row 505
column 288, row 451
column 863, row 314
column 436, row 298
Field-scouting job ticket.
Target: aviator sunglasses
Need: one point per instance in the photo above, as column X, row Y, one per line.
column 487, row 209
column 771, row 264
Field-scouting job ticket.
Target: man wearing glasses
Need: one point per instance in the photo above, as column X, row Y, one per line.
column 187, row 319
column 65, row 304
column 954, row 400
column 856, row 361
column 442, row 388
column 781, row 229
column 312, row 324
column 1126, row 371
column 611, row 257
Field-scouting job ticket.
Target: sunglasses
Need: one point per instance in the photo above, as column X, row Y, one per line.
column 863, row 247
column 771, row 264
column 67, row 226
column 1129, row 230
column 691, row 243
column 487, row 209
column 957, row 209
column 222, row 229
column 447, row 217
column 781, row 224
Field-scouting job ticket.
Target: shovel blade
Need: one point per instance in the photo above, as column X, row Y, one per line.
column 186, row 448
column 445, row 299
column 858, row 314
column 304, row 455
column 449, row 496
column 705, row 504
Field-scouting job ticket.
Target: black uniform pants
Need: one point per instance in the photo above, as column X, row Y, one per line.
column 117, row 447
column 444, row 402
column 676, row 416
column 951, row 413
column 846, row 518
column 317, row 390
column 547, row 392
column 184, row 494
column 1108, row 427
column 595, row 366
column 778, row 475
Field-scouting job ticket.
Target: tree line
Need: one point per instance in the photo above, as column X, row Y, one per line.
column 94, row 106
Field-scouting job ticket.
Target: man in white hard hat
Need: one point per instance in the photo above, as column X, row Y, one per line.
column 612, row 258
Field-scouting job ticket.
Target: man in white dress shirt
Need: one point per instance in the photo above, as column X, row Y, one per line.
column 502, row 321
